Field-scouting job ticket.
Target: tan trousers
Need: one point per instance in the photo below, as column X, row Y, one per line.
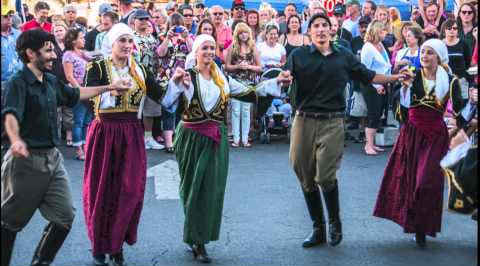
column 316, row 149
column 37, row 182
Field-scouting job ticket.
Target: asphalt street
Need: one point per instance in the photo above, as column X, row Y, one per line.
column 265, row 219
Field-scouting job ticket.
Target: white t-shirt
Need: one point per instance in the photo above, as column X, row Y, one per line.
column 270, row 55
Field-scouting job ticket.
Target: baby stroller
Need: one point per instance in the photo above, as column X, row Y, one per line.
column 271, row 119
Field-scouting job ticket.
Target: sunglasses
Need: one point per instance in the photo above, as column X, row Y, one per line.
column 218, row 14
column 125, row 40
column 467, row 12
column 239, row 8
column 452, row 28
column 143, row 19
column 188, row 15
column 200, row 6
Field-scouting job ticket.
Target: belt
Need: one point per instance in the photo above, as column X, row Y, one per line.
column 328, row 115
column 45, row 150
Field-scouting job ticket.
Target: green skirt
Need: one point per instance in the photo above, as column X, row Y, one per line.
column 203, row 168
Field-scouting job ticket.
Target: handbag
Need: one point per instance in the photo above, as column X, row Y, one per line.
column 359, row 107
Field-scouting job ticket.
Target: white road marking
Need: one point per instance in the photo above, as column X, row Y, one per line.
column 167, row 179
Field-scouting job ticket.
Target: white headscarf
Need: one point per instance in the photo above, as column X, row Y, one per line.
column 112, row 36
column 199, row 40
column 442, row 80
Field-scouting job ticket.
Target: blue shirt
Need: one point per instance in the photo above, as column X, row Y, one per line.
column 10, row 61
column 352, row 26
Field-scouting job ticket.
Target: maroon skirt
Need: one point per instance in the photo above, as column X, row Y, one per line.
column 411, row 193
column 114, row 181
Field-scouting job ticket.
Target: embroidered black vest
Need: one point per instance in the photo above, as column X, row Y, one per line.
column 99, row 73
column 195, row 112
column 419, row 95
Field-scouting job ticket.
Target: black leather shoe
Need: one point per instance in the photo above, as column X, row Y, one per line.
column 335, row 233
column 118, row 259
column 421, row 240
column 8, row 239
column 333, row 207
column 200, row 253
column 50, row 243
column 100, row 260
column 318, row 236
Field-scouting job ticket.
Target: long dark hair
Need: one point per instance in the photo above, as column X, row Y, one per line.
column 207, row 21
column 70, row 38
column 299, row 21
column 255, row 30
column 459, row 20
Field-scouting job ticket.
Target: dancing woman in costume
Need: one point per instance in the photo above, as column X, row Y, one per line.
column 411, row 193
column 115, row 164
column 201, row 144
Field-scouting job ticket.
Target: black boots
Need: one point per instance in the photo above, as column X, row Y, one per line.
column 333, row 207
column 200, row 253
column 100, row 260
column 8, row 239
column 51, row 241
column 421, row 240
column 315, row 208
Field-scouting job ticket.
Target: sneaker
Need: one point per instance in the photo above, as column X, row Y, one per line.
column 152, row 144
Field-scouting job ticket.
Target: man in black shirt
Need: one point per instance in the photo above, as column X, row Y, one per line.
column 320, row 73
column 33, row 174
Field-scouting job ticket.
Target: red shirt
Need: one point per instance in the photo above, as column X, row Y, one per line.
column 33, row 24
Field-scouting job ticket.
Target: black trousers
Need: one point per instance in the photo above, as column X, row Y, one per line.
column 375, row 105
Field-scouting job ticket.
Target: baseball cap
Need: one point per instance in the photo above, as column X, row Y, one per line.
column 352, row 2
column 140, row 13
column 339, row 9
column 69, row 7
column 199, row 3
column 104, row 8
column 238, row 3
column 364, row 20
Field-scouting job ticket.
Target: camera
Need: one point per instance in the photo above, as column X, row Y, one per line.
column 178, row 29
